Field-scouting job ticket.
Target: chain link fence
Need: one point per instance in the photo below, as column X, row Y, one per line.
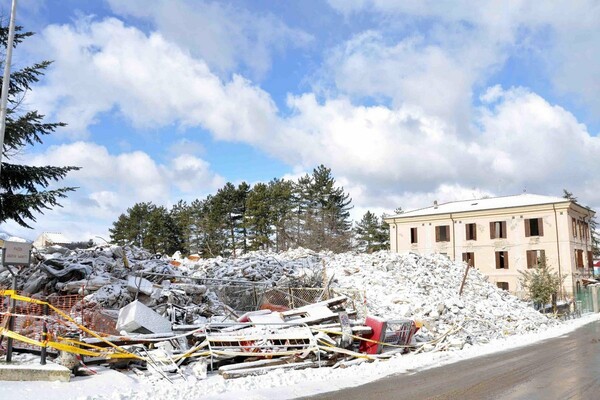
column 244, row 298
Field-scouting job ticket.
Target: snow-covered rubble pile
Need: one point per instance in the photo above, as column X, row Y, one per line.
column 396, row 286
column 426, row 288
column 259, row 266
column 399, row 286
column 112, row 277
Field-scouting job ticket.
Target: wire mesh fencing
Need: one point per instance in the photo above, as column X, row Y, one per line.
column 244, row 298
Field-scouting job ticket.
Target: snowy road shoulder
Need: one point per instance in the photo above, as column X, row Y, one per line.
column 109, row 384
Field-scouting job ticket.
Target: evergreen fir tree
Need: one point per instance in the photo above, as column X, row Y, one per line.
column 371, row 234
column 258, row 218
column 329, row 218
column 303, row 205
column 132, row 227
column 181, row 213
column 24, row 189
column 281, row 204
column 148, row 226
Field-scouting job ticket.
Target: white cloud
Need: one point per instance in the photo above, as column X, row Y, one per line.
column 192, row 174
column 103, row 66
column 412, row 71
column 110, row 183
column 223, row 35
column 416, row 150
column 564, row 35
column 401, row 157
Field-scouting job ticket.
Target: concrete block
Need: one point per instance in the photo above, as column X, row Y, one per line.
column 144, row 285
column 139, row 318
column 16, row 371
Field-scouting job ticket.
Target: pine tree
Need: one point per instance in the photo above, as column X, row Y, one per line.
column 148, row 226
column 181, row 213
column 303, row 207
column 132, row 227
column 384, row 233
column 163, row 235
column 258, row 218
column 329, row 216
column 371, row 235
column 23, row 189
column 212, row 228
column 281, row 204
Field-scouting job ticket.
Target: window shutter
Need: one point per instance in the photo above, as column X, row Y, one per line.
column 505, row 259
column 497, row 260
column 543, row 258
column 530, row 258
column 527, row 228
column 503, row 234
column 541, row 226
column 492, row 233
column 437, row 233
column 474, row 231
column 416, row 235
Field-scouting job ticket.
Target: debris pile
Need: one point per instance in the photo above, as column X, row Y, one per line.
column 426, row 288
column 178, row 304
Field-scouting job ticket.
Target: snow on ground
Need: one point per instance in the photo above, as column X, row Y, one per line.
column 484, row 319
column 112, row 385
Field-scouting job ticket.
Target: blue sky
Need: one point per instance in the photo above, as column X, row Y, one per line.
column 407, row 102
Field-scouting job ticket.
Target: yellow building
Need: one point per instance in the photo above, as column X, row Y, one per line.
column 501, row 236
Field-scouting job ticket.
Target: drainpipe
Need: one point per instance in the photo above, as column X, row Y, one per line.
column 558, row 249
column 453, row 240
column 396, row 236
column 588, row 231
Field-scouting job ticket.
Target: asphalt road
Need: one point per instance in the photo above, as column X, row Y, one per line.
column 567, row 367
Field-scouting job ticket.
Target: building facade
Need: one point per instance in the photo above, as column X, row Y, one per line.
column 503, row 235
column 50, row 239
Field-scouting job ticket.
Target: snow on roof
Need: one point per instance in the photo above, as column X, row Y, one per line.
column 525, row 199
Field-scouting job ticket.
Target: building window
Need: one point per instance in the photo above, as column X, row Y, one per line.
column 590, row 259
column 442, row 233
column 413, row 235
column 502, row 260
column 498, row 230
column 502, row 285
column 579, row 258
column 574, row 226
column 536, row 258
column 471, row 233
column 469, row 258
column 534, row 227
column 586, row 229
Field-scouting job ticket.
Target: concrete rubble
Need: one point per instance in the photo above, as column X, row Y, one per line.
column 166, row 296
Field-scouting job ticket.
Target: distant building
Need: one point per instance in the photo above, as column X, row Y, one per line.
column 47, row 239
column 503, row 235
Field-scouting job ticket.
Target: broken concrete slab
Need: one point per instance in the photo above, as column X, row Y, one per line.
column 17, row 371
column 137, row 283
column 137, row 317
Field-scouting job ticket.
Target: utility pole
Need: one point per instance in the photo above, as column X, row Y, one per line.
column 6, row 77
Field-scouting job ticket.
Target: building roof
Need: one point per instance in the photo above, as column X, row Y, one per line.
column 55, row 237
column 520, row 200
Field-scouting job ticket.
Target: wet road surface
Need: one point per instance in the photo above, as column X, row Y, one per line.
column 567, row 367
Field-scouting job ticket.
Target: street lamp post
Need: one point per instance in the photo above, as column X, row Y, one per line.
column 6, row 77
